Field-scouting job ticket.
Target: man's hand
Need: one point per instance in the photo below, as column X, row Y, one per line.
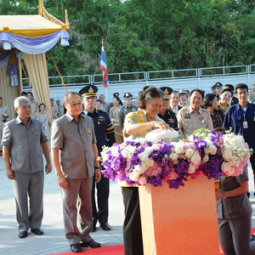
column 48, row 168
column 10, row 174
column 62, row 182
column 98, row 175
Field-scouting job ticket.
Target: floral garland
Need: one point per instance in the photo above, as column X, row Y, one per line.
column 206, row 152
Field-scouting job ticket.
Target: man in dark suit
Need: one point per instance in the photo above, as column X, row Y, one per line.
column 165, row 112
column 104, row 132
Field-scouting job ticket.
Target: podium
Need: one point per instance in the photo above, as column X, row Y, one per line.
column 180, row 221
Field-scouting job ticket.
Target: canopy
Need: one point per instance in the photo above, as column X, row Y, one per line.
column 28, row 36
column 32, row 34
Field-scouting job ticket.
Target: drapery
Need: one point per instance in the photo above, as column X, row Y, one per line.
column 33, row 45
column 37, row 69
column 7, row 92
column 4, row 59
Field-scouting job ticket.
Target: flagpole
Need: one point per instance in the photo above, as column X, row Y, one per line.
column 106, row 91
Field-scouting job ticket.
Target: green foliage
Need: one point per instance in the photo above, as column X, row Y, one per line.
column 141, row 35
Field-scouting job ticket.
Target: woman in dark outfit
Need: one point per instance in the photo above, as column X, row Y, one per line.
column 234, row 214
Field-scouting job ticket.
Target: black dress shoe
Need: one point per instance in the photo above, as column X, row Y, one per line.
column 37, row 231
column 22, row 234
column 93, row 229
column 76, row 247
column 105, row 226
column 92, row 244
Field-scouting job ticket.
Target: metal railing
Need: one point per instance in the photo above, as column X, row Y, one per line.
column 80, row 80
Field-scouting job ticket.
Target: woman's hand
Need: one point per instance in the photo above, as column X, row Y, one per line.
column 161, row 125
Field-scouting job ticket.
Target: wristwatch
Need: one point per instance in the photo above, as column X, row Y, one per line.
column 97, row 167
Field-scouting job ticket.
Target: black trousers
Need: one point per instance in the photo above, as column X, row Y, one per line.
column 132, row 230
column 252, row 160
column 101, row 198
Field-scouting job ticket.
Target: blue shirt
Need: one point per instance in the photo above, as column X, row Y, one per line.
column 235, row 117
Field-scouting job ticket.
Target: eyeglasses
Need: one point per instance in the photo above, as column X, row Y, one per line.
column 74, row 105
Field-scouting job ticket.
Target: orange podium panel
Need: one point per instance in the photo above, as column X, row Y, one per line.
column 180, row 221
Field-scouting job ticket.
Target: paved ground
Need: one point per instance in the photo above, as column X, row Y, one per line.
column 53, row 241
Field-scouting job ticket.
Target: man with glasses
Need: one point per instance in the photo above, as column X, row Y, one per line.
column 74, row 155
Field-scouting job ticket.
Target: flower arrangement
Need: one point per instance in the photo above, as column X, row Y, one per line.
column 206, row 152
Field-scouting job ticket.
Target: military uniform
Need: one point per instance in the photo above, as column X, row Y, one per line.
column 189, row 121
column 105, row 137
column 169, row 117
column 104, row 133
column 125, row 110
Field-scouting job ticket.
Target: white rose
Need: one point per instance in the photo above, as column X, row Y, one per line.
column 208, row 143
column 196, row 159
column 143, row 156
column 212, row 149
column 179, row 148
column 189, row 153
column 227, row 154
column 173, row 156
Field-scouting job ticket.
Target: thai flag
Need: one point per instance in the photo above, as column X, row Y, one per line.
column 103, row 67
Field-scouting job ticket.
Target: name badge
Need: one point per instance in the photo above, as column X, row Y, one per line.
column 187, row 116
column 245, row 124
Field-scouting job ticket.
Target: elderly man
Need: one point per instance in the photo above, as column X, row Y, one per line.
column 105, row 137
column 23, row 143
column 74, row 154
column 193, row 117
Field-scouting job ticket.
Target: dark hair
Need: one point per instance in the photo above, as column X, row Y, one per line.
column 23, row 93
column 220, row 129
column 207, row 100
column 229, row 90
column 1, row 98
column 40, row 106
column 30, row 94
column 199, row 91
column 118, row 99
column 241, row 86
column 98, row 100
column 147, row 95
column 229, row 86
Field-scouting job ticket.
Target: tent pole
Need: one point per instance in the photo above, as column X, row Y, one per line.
column 20, row 77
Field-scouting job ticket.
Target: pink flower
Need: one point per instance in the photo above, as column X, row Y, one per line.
column 173, row 175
